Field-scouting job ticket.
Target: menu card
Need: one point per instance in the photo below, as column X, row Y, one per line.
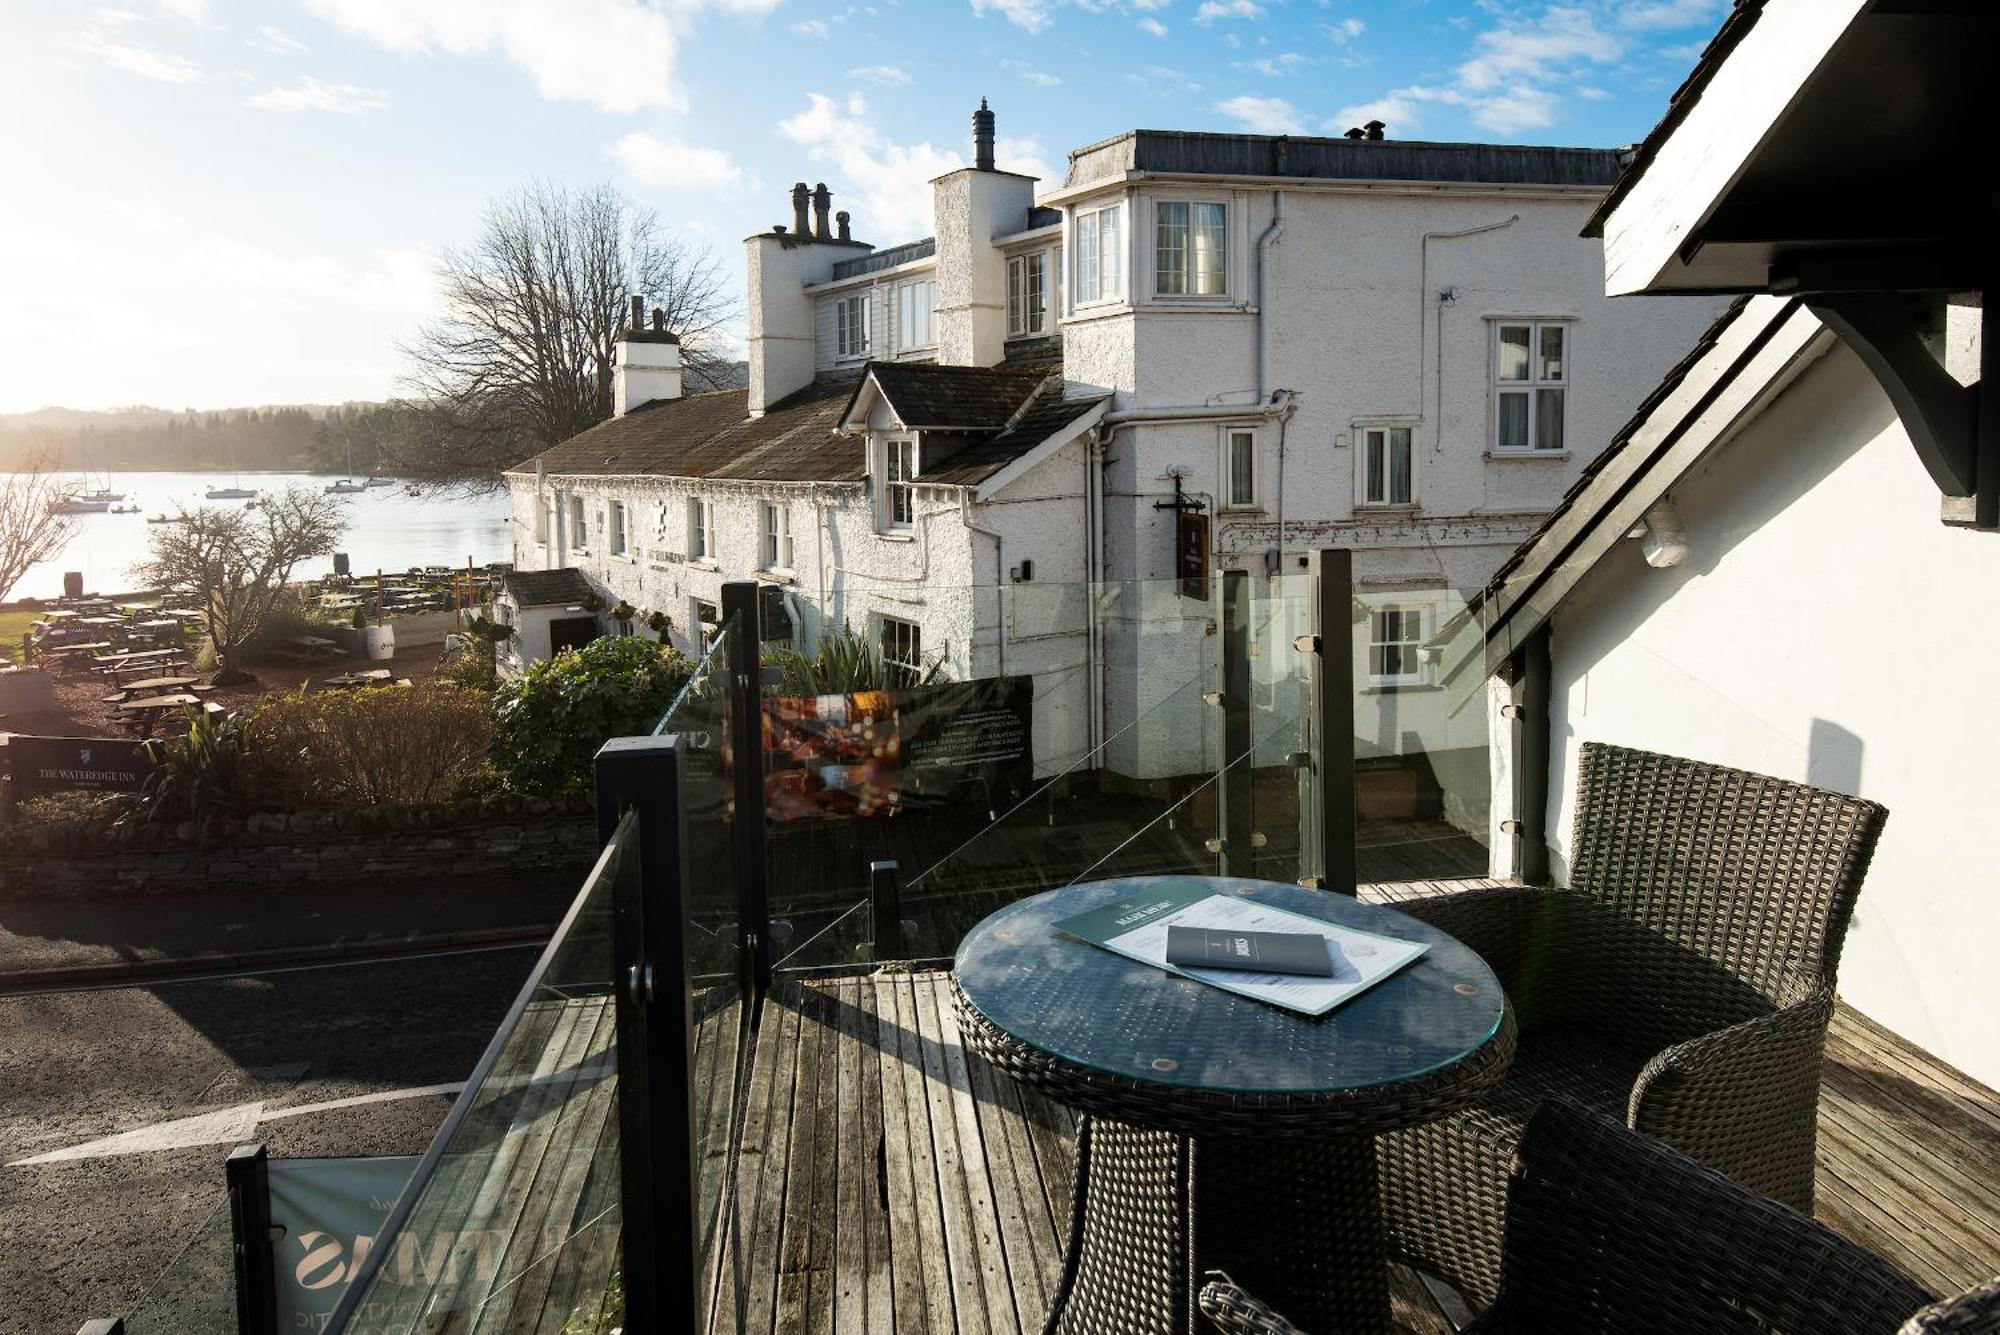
column 1137, row 928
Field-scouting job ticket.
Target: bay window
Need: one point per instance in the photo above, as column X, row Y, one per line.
column 1099, row 263
column 1190, row 249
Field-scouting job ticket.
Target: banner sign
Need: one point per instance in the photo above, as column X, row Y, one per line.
column 325, row 1214
column 1191, row 551
column 875, row 753
column 102, row 764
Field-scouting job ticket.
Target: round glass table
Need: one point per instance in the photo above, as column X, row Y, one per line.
column 1221, row 1132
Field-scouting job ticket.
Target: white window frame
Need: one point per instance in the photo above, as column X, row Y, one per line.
column 1407, row 645
column 1366, row 495
column 916, row 323
column 854, row 316
column 1024, row 318
column 617, row 530
column 1231, row 500
column 1098, row 270
column 897, row 482
column 1532, row 388
column 701, row 529
column 579, row 522
column 774, row 536
column 545, row 519
column 902, row 647
column 1185, row 272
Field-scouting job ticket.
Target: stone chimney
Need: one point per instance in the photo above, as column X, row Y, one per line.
column 781, row 263
column 970, row 207
column 646, row 363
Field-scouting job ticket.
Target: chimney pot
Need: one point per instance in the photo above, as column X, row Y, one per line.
column 659, row 321
column 822, row 201
column 840, row 222
column 638, row 313
column 800, row 224
column 1374, row 128
column 1355, row 132
column 982, row 137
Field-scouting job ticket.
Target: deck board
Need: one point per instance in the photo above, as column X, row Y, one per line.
column 942, row 1201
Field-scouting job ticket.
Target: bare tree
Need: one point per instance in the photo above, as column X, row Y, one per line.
column 522, row 356
column 236, row 563
column 32, row 527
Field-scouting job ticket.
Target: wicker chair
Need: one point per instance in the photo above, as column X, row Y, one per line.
column 1611, row 1232
column 1683, row 982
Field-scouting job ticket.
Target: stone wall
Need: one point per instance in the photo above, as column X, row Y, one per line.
column 498, row 836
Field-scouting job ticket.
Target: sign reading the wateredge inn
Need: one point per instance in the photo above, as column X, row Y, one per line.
column 105, row 764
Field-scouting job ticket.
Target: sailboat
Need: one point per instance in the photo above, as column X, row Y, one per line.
column 79, row 505
column 238, row 492
column 347, row 486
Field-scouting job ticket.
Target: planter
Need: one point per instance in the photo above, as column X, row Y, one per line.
column 378, row 642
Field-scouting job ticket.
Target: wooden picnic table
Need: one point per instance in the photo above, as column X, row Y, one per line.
column 71, row 650
column 188, row 684
column 360, row 677
column 134, row 658
column 144, row 715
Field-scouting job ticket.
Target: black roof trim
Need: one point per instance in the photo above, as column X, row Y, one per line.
column 886, row 259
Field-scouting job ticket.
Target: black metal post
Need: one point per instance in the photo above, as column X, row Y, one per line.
column 1532, row 780
column 656, row 1115
column 247, row 1175
column 1238, row 814
column 1333, row 712
column 746, row 714
column 885, row 907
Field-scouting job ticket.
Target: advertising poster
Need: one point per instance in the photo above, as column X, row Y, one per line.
column 878, row 753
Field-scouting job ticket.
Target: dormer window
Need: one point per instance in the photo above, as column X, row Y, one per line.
column 1190, row 248
column 852, row 317
column 1028, row 295
column 899, row 471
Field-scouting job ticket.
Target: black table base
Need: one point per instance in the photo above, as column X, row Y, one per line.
column 1155, row 1211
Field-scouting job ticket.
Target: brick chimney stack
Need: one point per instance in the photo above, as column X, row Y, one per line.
column 646, row 363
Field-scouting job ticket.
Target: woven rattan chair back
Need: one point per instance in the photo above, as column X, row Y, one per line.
column 1608, row 1231
column 1734, row 888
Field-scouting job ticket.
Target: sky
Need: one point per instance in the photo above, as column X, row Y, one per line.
column 210, row 203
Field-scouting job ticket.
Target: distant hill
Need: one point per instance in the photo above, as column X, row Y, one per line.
column 277, row 436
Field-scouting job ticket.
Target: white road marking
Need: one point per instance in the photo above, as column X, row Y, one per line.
column 385, row 1096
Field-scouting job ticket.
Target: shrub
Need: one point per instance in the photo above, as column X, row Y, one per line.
column 389, row 744
column 202, row 774
column 289, row 616
column 549, row 721
column 841, row 664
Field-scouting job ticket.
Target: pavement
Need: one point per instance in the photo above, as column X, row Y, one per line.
column 70, row 940
column 128, row 1099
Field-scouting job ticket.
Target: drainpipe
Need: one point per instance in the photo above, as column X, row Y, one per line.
column 1423, row 317
column 1264, row 244
column 999, row 580
column 819, row 559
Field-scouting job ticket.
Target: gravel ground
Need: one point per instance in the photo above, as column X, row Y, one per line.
column 86, row 1238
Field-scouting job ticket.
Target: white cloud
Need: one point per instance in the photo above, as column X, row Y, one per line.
column 1344, row 31
column 1153, row 27
column 651, row 160
column 344, row 99
column 275, row 40
column 1398, row 110
column 811, row 28
column 1285, row 62
column 1033, row 15
column 1667, row 14
column 1529, row 51
column 135, row 58
column 1211, row 10
column 1262, row 115
column 1034, row 74
column 617, row 54
column 886, row 75
column 194, row 13
column 889, row 181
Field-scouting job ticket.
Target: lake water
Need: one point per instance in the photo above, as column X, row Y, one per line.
column 386, row 528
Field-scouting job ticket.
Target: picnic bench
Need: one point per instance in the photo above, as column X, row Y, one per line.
column 348, row 681
column 144, row 714
column 304, row 649
column 155, row 686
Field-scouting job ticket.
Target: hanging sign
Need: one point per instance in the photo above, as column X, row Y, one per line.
column 99, row 764
column 1191, row 552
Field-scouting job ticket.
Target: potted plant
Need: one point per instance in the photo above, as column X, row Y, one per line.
column 660, row 624
column 593, row 603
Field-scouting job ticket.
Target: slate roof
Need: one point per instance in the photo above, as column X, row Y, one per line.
column 545, row 588
column 982, row 459
column 714, row 436
column 1193, row 153
column 1734, row 29
column 926, row 396
column 887, row 258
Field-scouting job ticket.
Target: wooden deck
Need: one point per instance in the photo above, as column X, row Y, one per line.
column 889, row 1181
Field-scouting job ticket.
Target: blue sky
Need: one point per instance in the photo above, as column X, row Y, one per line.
column 211, row 203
